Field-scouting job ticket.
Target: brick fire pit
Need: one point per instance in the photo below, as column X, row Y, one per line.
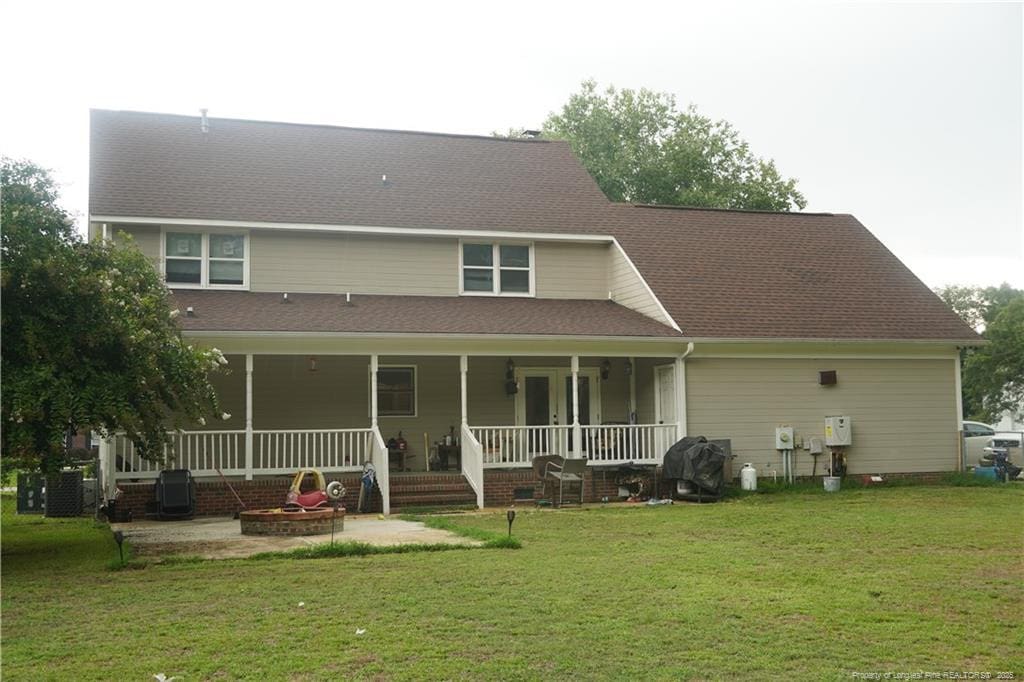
column 278, row 522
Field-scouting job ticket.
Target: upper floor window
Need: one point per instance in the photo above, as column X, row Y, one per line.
column 497, row 269
column 195, row 259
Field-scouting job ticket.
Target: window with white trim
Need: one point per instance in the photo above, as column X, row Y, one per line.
column 497, row 269
column 396, row 391
column 196, row 259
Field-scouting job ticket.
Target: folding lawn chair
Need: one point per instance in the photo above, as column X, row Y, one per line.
column 567, row 473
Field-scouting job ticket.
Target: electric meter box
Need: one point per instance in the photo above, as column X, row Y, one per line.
column 784, row 438
column 838, row 431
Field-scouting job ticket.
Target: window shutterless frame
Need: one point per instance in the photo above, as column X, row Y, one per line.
column 494, row 269
column 415, row 390
column 205, row 258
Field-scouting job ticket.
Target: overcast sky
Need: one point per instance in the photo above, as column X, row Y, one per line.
column 907, row 115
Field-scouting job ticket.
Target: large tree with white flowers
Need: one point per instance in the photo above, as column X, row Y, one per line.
column 89, row 338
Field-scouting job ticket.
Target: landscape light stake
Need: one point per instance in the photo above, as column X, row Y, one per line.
column 511, row 516
column 119, row 539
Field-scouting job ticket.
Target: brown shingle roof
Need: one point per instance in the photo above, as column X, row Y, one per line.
column 721, row 274
column 250, row 311
column 158, row 165
column 740, row 274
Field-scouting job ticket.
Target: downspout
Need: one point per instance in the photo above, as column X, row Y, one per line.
column 680, row 383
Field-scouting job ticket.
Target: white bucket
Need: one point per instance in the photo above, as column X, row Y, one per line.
column 832, row 484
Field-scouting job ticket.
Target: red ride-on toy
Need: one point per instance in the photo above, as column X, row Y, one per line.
column 314, row 499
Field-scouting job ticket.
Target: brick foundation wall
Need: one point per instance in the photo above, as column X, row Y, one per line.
column 213, row 498
column 500, row 485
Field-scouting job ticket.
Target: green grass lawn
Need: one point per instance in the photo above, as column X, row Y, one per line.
column 804, row 585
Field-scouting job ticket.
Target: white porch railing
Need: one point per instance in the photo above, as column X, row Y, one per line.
column 516, row 446
column 473, row 464
column 285, row 451
column 201, row 451
column 513, row 446
column 611, row 443
column 379, row 457
column 274, row 452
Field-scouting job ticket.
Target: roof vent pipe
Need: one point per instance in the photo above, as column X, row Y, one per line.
column 348, row 297
column 284, row 298
column 204, row 123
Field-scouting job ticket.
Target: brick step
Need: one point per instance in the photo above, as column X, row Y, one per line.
column 457, row 487
column 433, row 499
column 426, row 479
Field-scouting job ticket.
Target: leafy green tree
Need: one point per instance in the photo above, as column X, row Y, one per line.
column 89, row 339
column 993, row 375
column 641, row 148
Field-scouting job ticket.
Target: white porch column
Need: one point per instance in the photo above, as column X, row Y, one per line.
column 248, row 417
column 680, row 389
column 109, row 463
column 373, row 390
column 463, row 371
column 577, row 432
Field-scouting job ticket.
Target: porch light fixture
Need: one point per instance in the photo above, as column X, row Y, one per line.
column 312, row 364
column 629, row 368
column 606, row 368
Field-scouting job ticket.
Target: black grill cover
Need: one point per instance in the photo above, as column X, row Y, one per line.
column 704, row 467
column 672, row 466
column 697, row 461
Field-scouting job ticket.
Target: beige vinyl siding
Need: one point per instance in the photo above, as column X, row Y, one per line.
column 571, row 270
column 645, row 386
column 146, row 237
column 286, row 395
column 627, row 288
column 337, row 263
column 903, row 411
column 317, row 262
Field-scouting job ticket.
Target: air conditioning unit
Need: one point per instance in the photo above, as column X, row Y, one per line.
column 838, row 431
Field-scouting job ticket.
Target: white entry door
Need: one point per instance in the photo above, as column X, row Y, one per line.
column 665, row 394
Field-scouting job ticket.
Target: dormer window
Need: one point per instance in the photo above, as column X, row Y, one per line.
column 201, row 260
column 496, row 269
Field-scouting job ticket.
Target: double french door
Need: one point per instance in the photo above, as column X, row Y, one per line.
column 544, row 401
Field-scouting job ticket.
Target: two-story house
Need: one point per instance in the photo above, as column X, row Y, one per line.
column 482, row 298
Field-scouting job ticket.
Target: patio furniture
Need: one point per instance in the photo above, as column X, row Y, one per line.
column 567, row 473
column 175, row 494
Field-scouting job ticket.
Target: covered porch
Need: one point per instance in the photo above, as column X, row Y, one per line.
column 414, row 414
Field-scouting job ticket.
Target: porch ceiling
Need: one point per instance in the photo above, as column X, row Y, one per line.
column 242, row 311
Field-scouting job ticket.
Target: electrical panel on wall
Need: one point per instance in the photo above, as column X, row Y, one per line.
column 784, row 438
column 838, row 431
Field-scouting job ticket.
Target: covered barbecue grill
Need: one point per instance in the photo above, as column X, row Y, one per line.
column 702, row 464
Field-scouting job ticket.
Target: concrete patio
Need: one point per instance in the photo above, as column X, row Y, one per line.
column 221, row 537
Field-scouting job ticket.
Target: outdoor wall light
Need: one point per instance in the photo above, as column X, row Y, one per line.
column 511, row 387
column 629, row 368
column 312, row 364
column 511, row 516
column 606, row 368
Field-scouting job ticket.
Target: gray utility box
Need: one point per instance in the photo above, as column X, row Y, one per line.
column 838, row 431
column 31, row 493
